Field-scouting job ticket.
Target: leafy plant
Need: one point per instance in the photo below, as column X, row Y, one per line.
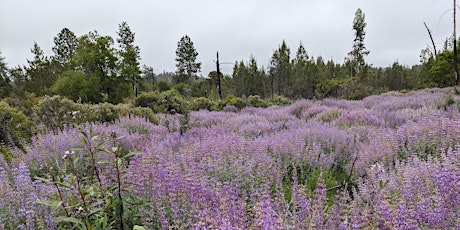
column 14, row 126
column 257, row 101
column 90, row 193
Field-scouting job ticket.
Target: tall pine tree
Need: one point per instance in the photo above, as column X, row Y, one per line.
column 280, row 71
column 5, row 82
column 65, row 46
column 186, row 63
column 129, row 56
column 356, row 56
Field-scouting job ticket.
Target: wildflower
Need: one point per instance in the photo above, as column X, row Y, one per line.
column 68, row 154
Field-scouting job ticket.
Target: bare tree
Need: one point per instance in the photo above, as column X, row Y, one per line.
column 432, row 41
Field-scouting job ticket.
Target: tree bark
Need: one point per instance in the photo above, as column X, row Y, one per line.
column 432, row 41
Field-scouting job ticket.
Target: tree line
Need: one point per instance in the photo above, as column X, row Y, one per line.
column 94, row 68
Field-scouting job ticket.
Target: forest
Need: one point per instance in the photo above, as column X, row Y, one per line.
column 90, row 139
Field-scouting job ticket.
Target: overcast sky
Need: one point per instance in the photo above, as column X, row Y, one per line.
column 235, row 28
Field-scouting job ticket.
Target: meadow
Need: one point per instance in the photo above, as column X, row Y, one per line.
column 390, row 161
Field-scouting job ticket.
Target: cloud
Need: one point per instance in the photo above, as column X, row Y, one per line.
column 237, row 29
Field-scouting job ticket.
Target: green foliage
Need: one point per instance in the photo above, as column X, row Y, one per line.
column 308, row 176
column 186, row 63
column 129, row 65
column 280, row 71
column 162, row 86
column 91, row 69
column 103, row 112
column 39, row 75
column 165, row 102
column 95, row 57
column 65, row 46
column 6, row 153
column 442, row 72
column 257, row 101
column 235, row 101
column 94, row 203
column 74, row 85
column 183, row 89
column 53, row 113
column 248, row 79
column 14, row 128
column 202, row 103
column 449, row 100
column 280, row 100
column 5, row 81
column 356, row 56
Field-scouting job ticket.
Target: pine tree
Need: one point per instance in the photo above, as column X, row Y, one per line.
column 40, row 75
column 280, row 71
column 65, row 46
column 186, row 55
column 356, row 56
column 129, row 56
column 5, row 82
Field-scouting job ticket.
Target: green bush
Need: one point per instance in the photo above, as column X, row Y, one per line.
column 449, row 100
column 183, row 89
column 280, row 100
column 257, row 101
column 175, row 102
column 162, row 86
column 202, row 103
column 76, row 85
column 14, row 128
column 55, row 112
column 165, row 102
column 235, row 101
column 103, row 112
column 145, row 99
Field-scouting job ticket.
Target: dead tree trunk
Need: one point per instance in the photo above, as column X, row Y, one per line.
column 432, row 41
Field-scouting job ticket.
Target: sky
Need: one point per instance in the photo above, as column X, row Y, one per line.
column 236, row 29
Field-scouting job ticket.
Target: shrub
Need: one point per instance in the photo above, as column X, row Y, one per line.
column 257, row 101
column 182, row 88
column 162, row 86
column 449, row 100
column 103, row 112
column 235, row 101
column 94, row 203
column 145, row 99
column 55, row 112
column 14, row 126
column 165, row 102
column 201, row 103
column 280, row 100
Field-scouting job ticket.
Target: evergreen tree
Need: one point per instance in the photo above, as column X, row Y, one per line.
column 65, row 46
column 239, row 76
column 256, row 81
column 302, row 87
column 5, row 82
column 280, row 71
column 129, row 56
column 186, row 55
column 147, row 78
column 356, row 56
column 40, row 73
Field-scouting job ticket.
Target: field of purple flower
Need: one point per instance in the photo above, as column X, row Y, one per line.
column 386, row 162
